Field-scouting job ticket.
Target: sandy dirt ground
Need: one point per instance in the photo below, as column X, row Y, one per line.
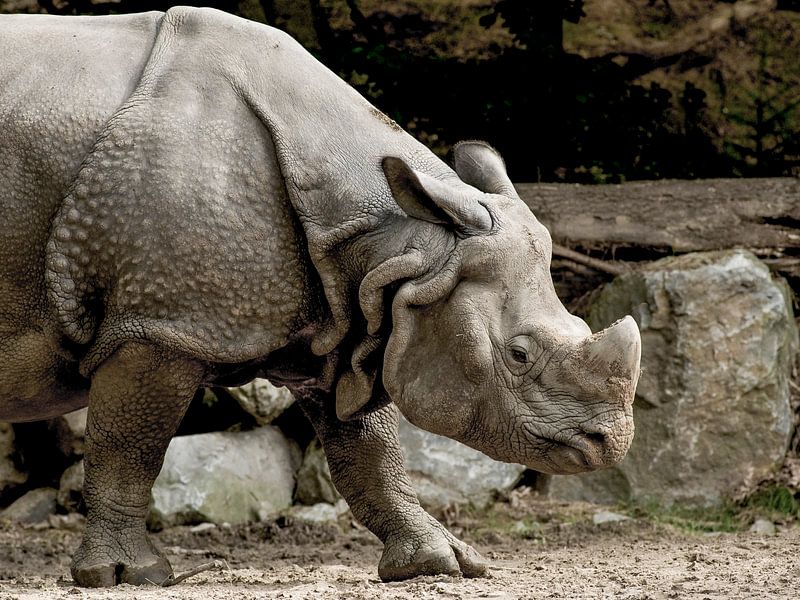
column 537, row 549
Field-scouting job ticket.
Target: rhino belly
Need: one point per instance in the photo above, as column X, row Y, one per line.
column 35, row 381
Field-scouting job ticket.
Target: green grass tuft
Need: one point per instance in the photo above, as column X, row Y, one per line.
column 775, row 503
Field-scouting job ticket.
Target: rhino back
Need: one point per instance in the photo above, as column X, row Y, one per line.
column 60, row 81
column 178, row 228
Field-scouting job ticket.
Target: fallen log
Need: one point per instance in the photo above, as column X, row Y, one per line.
column 642, row 221
column 675, row 216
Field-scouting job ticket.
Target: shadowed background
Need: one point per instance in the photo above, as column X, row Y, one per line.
column 568, row 90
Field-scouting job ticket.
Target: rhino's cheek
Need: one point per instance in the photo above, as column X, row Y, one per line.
column 438, row 382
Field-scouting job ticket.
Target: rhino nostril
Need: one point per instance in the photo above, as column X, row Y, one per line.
column 596, row 438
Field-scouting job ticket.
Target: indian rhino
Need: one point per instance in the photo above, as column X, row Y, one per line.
column 191, row 199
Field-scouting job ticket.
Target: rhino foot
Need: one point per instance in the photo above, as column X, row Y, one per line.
column 100, row 566
column 430, row 551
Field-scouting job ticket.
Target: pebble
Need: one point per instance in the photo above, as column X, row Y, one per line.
column 763, row 527
column 321, row 512
column 202, row 527
column 605, row 516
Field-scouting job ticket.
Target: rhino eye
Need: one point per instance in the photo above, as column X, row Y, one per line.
column 519, row 355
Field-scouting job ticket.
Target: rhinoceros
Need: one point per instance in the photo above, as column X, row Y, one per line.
column 191, row 199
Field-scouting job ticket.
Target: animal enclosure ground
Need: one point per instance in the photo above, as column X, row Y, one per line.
column 538, row 550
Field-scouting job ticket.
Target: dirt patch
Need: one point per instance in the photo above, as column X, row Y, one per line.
column 538, row 550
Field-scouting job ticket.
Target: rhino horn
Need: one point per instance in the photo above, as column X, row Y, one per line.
column 424, row 197
column 481, row 166
column 614, row 354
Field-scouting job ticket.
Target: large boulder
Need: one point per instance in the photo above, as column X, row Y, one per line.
column 228, row 477
column 314, row 483
column 263, row 400
column 445, row 472
column 34, row 507
column 10, row 476
column 712, row 408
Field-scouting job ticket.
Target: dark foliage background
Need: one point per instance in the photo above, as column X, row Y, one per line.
column 568, row 90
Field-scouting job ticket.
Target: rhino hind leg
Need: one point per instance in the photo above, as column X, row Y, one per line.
column 136, row 402
column 366, row 464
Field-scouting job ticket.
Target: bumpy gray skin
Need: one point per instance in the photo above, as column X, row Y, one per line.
column 191, row 199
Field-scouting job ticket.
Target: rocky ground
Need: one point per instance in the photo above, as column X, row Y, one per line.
column 538, row 549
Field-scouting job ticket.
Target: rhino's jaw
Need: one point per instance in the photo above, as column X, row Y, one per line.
column 581, row 450
column 589, row 444
column 566, row 459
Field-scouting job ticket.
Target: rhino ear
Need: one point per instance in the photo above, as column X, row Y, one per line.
column 423, row 197
column 481, row 166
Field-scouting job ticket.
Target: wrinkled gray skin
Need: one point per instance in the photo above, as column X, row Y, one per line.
column 191, row 199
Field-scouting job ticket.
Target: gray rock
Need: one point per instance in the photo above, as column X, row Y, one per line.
column 314, row 483
column 446, row 472
column 70, row 522
column 225, row 477
column 34, row 507
column 263, row 400
column 605, row 516
column 322, row 512
column 10, row 476
column 763, row 527
column 70, row 488
column 712, row 407
column 70, row 431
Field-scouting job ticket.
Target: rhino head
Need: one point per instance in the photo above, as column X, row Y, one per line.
column 482, row 350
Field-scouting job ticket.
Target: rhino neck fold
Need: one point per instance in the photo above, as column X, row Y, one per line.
column 329, row 142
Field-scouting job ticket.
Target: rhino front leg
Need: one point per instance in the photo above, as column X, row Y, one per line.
column 366, row 464
column 136, row 402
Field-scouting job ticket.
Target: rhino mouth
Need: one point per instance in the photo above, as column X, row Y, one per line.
column 578, row 454
column 570, row 458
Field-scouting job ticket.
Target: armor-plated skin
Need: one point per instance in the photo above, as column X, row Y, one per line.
column 189, row 198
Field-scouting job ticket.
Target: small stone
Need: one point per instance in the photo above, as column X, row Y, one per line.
column 321, row 512
column 763, row 527
column 76, row 420
column 263, row 400
column 34, row 507
column 202, row 527
column 70, row 488
column 69, row 431
column 70, row 522
column 605, row 516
